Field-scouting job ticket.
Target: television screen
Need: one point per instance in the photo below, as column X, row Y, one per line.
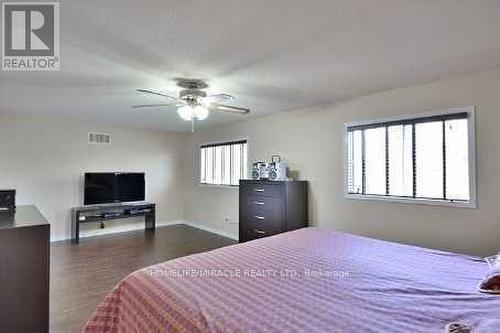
column 130, row 187
column 101, row 188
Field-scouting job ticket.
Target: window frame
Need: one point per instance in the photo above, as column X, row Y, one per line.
column 471, row 203
column 217, row 143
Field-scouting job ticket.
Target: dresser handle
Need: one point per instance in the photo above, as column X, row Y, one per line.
column 259, row 217
column 259, row 231
column 259, row 203
column 259, row 189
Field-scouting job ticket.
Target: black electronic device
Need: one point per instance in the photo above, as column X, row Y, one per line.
column 102, row 188
column 8, row 201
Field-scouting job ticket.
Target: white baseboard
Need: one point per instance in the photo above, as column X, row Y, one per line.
column 210, row 229
column 58, row 238
column 169, row 223
column 140, row 226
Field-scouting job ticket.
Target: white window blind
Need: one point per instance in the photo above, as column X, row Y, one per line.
column 416, row 159
column 223, row 163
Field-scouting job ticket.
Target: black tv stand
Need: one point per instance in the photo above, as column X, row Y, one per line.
column 101, row 213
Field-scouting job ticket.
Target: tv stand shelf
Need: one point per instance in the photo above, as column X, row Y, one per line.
column 101, row 213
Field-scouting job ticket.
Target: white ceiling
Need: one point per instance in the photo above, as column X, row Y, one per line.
column 272, row 56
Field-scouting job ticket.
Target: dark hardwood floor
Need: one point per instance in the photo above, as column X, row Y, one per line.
column 82, row 274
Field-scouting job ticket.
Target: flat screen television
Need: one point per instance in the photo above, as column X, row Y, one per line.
column 102, row 188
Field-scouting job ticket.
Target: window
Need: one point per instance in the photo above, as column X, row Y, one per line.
column 425, row 159
column 223, row 163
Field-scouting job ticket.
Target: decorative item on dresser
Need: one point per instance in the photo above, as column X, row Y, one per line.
column 8, row 201
column 277, row 169
column 271, row 207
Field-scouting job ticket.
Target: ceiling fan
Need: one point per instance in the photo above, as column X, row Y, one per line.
column 192, row 102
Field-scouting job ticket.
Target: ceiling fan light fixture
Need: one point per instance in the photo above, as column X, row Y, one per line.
column 188, row 112
column 201, row 112
column 193, row 102
column 185, row 112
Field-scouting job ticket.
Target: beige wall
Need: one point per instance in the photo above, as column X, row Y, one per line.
column 311, row 141
column 45, row 159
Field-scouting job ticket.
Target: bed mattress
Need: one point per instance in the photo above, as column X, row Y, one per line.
column 308, row 280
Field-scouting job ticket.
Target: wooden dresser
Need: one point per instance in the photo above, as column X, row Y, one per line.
column 271, row 207
column 24, row 271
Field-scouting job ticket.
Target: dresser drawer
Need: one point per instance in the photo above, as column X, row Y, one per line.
column 265, row 190
column 265, row 220
column 258, row 204
column 253, row 233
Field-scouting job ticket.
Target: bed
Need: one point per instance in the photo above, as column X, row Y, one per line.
column 308, row 280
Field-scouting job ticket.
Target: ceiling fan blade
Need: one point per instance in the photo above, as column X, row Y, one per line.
column 228, row 108
column 153, row 105
column 152, row 92
column 218, row 98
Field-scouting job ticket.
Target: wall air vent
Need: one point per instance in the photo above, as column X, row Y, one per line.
column 99, row 139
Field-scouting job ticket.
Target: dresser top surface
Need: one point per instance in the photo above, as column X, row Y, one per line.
column 25, row 216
